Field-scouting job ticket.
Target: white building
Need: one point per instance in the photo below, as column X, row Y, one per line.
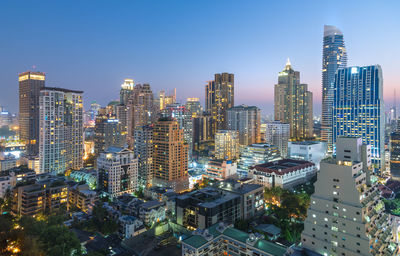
column 286, row 173
column 278, row 134
column 61, row 130
column 313, row 151
column 152, row 212
column 117, row 171
column 346, row 215
column 7, row 162
column 220, row 169
column 130, row 226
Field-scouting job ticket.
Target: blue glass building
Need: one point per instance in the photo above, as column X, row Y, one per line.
column 358, row 108
column 334, row 56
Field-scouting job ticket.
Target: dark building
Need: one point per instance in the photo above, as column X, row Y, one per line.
column 395, row 154
column 30, row 84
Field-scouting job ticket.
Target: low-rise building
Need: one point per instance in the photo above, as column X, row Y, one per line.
column 313, row 151
column 9, row 178
column 82, row 197
column 7, row 162
column 286, row 173
column 220, row 169
column 223, row 239
column 43, row 196
column 130, row 226
column 152, row 212
column 87, row 175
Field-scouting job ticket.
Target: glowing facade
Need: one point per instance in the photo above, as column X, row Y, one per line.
column 245, row 120
column 226, row 145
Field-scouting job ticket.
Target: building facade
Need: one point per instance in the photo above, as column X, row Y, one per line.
column 395, row 154
column 170, row 155
column 117, row 171
column 278, row 134
column 143, row 150
column 194, row 107
column 220, row 96
column 245, row 120
column 346, row 215
column 293, row 104
column 313, row 151
column 358, row 108
column 220, row 169
column 334, row 56
column 30, row 84
column 226, row 145
column 108, row 132
column 61, row 130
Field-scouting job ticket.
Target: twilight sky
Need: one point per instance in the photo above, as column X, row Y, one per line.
column 93, row 45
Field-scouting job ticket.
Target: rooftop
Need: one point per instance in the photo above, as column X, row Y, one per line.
column 282, row 166
column 59, row 89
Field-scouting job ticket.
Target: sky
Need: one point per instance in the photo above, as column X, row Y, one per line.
column 94, row 45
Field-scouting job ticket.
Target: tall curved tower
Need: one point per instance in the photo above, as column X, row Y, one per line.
column 334, row 56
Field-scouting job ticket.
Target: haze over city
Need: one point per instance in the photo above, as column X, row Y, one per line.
column 94, row 45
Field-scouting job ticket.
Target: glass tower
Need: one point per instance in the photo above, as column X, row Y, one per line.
column 334, row 56
column 358, row 108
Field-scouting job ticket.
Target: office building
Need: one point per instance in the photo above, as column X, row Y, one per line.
column 30, row 84
column 293, row 103
column 346, row 215
column 44, row 197
column 219, row 98
column 61, row 130
column 141, row 110
column 312, row 151
column 245, row 120
column 143, row 150
column 256, row 154
column 226, row 145
column 170, row 155
column 220, row 169
column 223, row 239
column 278, row 134
column 358, row 108
column 108, row 132
column 334, row 56
column 117, row 171
column 202, row 131
column 183, row 116
column 194, row 107
column 285, row 173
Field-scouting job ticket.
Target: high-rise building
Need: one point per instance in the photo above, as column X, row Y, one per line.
column 170, row 155
column 140, row 110
column 126, row 91
column 143, row 149
column 257, row 154
column 202, row 131
column 117, row 171
column 219, row 98
column 61, row 130
column 165, row 100
column 183, row 116
column 30, row 84
column 293, row 104
column 395, row 153
column 277, row 133
column 108, row 132
column 226, row 145
column 245, row 120
column 334, row 56
column 358, row 108
column 346, row 215
column 194, row 107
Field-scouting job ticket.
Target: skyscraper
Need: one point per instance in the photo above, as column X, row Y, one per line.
column 108, row 132
column 245, row 120
column 126, row 91
column 277, row 134
column 358, row 108
column 30, row 84
column 226, row 145
column 143, row 149
column 346, row 215
column 219, row 98
column 194, row 106
column 165, row 100
column 293, row 103
column 140, row 109
column 61, row 130
column 334, row 56
column 170, row 155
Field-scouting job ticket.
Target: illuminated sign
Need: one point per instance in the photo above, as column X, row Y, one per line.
column 112, row 121
column 31, row 76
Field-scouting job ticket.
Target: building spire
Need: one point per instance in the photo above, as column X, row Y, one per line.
column 288, row 64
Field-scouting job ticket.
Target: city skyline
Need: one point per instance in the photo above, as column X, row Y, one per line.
column 143, row 47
